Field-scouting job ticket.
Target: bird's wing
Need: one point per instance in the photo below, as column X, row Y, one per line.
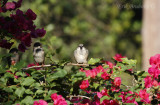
column 86, row 53
column 75, row 53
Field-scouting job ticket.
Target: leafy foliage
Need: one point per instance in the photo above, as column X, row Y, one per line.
column 93, row 84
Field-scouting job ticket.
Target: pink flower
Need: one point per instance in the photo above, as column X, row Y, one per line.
column 117, row 81
column 30, row 14
column 148, row 82
column 40, row 102
column 109, row 102
column 105, row 76
column 41, row 32
column 58, row 99
column 32, row 64
column 15, row 76
column 144, row 95
column 110, row 64
column 99, row 94
column 118, row 57
column 155, row 60
column 10, row 5
column 129, row 99
column 153, row 71
column 84, row 84
column 155, row 83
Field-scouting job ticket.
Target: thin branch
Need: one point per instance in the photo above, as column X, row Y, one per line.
column 32, row 67
column 76, row 64
column 68, row 64
column 128, row 87
column 79, row 96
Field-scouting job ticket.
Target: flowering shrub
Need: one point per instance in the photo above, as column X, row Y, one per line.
column 99, row 83
column 18, row 26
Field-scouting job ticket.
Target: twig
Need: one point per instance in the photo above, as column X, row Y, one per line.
column 79, row 96
column 32, row 67
column 68, row 64
column 76, row 64
column 126, row 86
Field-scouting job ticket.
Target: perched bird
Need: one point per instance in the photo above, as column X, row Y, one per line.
column 12, row 60
column 81, row 54
column 38, row 53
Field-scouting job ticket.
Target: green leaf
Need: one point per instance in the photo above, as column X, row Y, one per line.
column 59, row 74
column 80, row 74
column 36, row 86
column 93, row 61
column 27, row 100
column 20, row 91
column 96, row 85
column 19, row 65
column 8, row 89
column 101, row 88
column 28, row 81
column 104, row 97
column 140, row 73
column 28, row 91
column 39, row 91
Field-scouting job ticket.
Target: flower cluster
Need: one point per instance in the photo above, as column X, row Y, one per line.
column 58, row 99
column 18, row 26
column 40, row 102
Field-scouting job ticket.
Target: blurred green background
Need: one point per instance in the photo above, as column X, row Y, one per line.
column 105, row 27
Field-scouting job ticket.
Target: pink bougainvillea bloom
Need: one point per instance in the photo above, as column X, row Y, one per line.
column 117, row 81
column 153, row 71
column 118, row 57
column 128, row 99
column 154, row 60
column 32, row 64
column 84, row 84
column 10, row 5
column 30, row 14
column 109, row 102
column 144, row 95
column 148, row 82
column 40, row 102
column 158, row 95
column 99, row 94
column 110, row 64
column 155, row 83
column 58, row 99
column 41, row 32
column 105, row 76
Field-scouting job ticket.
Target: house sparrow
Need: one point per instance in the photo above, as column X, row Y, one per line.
column 81, row 54
column 38, row 53
column 12, row 60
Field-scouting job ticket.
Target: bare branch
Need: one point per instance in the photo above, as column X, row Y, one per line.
column 32, row 67
column 79, row 96
column 76, row 64
column 68, row 64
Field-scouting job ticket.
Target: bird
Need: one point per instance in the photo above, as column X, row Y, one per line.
column 14, row 58
column 81, row 54
column 38, row 53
